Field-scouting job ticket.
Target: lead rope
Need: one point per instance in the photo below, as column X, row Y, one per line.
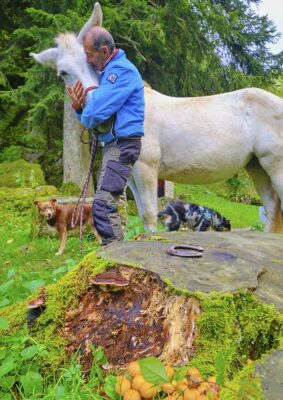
column 80, row 206
column 81, row 201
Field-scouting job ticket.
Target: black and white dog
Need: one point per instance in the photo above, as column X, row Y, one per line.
column 197, row 217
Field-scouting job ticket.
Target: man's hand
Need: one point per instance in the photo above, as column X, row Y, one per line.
column 77, row 95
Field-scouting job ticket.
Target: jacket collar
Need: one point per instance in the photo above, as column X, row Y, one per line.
column 117, row 53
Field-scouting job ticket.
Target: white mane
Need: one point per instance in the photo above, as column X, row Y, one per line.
column 67, row 43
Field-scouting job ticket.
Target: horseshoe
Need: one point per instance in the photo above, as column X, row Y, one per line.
column 183, row 250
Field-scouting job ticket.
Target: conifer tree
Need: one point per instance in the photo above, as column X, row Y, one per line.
column 182, row 48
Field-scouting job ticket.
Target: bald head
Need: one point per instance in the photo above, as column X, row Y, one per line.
column 98, row 36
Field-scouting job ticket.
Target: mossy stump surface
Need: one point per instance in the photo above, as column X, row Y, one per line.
column 132, row 321
column 181, row 310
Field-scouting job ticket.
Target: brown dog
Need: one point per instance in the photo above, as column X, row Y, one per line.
column 60, row 217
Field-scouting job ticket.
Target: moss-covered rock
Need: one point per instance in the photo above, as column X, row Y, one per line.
column 70, row 189
column 20, row 173
column 20, row 200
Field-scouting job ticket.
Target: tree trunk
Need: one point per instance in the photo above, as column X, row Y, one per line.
column 75, row 154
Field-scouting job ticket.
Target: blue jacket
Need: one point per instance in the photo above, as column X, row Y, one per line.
column 121, row 91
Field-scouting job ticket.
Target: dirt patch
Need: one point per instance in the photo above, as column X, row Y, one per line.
column 132, row 321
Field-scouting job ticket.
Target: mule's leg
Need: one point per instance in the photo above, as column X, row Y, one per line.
column 132, row 185
column 269, row 197
column 145, row 178
column 276, row 177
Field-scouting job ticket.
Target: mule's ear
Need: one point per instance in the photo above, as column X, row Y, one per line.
column 95, row 20
column 47, row 57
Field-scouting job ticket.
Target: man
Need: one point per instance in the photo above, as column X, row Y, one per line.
column 121, row 96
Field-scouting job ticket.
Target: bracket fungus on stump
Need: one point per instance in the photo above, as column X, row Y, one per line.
column 35, row 308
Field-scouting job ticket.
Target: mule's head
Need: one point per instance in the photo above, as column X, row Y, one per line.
column 68, row 58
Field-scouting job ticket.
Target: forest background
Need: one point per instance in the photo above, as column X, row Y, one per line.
column 182, row 48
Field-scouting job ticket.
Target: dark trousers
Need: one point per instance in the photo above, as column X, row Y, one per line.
column 118, row 158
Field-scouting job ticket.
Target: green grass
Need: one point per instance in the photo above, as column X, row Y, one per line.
column 241, row 215
column 28, row 264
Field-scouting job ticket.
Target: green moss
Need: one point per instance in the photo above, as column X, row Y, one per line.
column 245, row 385
column 280, row 262
column 16, row 314
column 238, row 322
column 70, row 189
column 259, row 326
column 132, row 207
column 20, row 200
column 21, row 173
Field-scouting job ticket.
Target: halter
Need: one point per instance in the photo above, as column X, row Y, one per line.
column 88, row 89
column 79, row 208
